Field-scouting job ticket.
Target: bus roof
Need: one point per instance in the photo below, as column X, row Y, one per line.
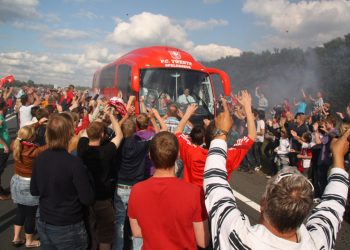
column 160, row 57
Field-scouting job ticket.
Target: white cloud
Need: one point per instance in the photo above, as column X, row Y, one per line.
column 303, row 23
column 140, row 30
column 211, row 1
column 195, row 24
column 148, row 29
column 213, row 52
column 61, row 69
column 11, row 10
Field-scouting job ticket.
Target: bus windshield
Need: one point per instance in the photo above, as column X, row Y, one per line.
column 160, row 87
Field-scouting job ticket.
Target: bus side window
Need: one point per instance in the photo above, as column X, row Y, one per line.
column 124, row 81
column 106, row 80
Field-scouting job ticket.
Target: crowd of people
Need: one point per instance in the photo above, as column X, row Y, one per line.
column 92, row 173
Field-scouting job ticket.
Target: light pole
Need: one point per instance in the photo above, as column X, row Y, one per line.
column 176, row 75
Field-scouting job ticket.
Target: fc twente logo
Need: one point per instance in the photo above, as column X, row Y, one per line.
column 175, row 54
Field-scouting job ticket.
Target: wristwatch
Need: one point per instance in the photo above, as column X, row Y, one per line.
column 219, row 132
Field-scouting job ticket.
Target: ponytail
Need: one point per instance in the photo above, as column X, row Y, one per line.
column 17, row 149
column 25, row 133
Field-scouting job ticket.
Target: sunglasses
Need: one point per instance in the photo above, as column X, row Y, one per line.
column 284, row 175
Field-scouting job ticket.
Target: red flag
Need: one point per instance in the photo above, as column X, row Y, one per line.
column 6, row 79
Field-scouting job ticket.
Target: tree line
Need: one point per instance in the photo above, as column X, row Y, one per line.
column 283, row 72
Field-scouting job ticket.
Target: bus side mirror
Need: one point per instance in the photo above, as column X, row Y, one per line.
column 225, row 79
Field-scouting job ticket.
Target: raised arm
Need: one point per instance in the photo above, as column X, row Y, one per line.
column 256, row 92
column 189, row 112
column 163, row 126
column 37, row 100
column 8, row 93
column 143, row 106
column 117, row 130
column 303, row 93
column 245, row 100
column 296, row 137
column 226, row 221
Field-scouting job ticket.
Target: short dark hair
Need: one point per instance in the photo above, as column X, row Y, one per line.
column 197, row 135
column 24, row 99
column 164, row 149
column 41, row 113
column 33, row 110
column 261, row 114
column 307, row 137
column 95, row 130
column 142, row 121
column 128, row 128
column 288, row 200
column 172, row 110
column 332, row 120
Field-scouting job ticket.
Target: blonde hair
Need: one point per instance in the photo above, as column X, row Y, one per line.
column 25, row 133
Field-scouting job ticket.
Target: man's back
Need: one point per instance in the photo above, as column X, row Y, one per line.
column 133, row 153
column 194, row 157
column 165, row 209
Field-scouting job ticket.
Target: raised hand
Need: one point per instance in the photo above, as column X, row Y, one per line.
column 224, row 120
column 293, row 133
column 245, row 99
column 339, row 148
column 191, row 109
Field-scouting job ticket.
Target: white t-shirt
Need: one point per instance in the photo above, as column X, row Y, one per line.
column 186, row 100
column 283, row 148
column 260, row 126
column 25, row 115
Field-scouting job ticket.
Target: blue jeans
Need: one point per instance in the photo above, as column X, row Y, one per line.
column 70, row 237
column 121, row 199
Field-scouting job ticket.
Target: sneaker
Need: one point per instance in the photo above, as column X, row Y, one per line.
column 268, row 176
column 257, row 169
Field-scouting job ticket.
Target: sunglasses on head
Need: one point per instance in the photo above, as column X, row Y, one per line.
column 284, row 175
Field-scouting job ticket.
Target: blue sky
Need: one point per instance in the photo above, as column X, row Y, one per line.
column 65, row 41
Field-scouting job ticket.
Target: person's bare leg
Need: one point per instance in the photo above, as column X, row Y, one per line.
column 17, row 233
column 105, row 246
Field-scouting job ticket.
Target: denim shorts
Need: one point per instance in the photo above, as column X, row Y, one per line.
column 20, row 191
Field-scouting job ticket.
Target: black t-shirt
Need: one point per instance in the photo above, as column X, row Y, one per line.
column 99, row 161
column 300, row 130
column 132, row 155
column 40, row 135
column 63, row 184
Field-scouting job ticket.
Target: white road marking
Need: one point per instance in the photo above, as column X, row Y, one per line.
column 247, row 201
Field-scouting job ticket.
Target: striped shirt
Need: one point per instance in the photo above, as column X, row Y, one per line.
column 231, row 229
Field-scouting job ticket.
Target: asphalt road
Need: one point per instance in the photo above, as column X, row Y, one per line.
column 249, row 185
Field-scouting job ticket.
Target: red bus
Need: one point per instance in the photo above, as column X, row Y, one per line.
column 159, row 73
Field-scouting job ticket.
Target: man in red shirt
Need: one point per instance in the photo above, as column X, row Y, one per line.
column 166, row 212
column 194, row 155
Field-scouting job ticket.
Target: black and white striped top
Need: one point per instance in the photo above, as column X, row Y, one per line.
column 231, row 229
